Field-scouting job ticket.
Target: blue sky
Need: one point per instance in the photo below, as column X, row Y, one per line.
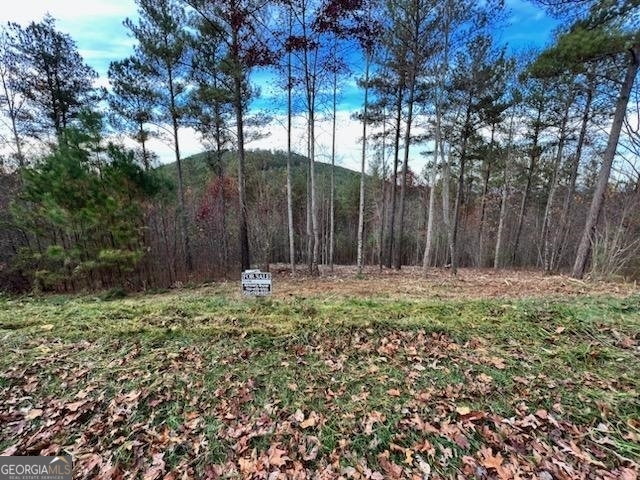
column 97, row 27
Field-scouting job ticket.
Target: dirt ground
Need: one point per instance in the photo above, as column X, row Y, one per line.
column 411, row 283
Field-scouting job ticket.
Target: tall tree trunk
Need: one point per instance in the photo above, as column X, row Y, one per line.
column 394, row 178
column 405, row 168
column 483, row 203
column 314, row 205
column 504, row 198
column 584, row 247
column 546, row 237
column 535, row 152
column 431, row 212
column 446, row 198
column 456, row 213
column 460, row 190
column 313, row 266
column 360, row 258
column 292, row 247
column 245, row 258
column 332, row 197
column 561, row 240
column 184, row 227
column 440, row 93
column 383, row 214
column 383, row 206
column 309, row 231
column 224, row 251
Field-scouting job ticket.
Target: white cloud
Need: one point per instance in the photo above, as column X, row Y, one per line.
column 348, row 146
column 348, row 142
column 26, row 11
column 95, row 25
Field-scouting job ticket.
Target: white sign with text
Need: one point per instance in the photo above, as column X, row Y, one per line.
column 256, row 283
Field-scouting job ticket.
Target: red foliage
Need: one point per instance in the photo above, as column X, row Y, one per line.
column 208, row 208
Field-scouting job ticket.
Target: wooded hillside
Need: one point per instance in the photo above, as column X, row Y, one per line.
column 531, row 159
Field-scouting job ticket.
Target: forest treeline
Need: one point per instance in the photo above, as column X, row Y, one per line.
column 531, row 157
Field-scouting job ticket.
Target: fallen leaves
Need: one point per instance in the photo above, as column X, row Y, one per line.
column 393, row 392
column 276, row 456
column 391, row 469
column 463, row 410
column 373, row 418
column 489, row 460
column 366, row 403
column 157, row 467
column 34, row 413
column 310, row 421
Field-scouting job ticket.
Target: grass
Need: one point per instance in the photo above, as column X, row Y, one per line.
column 221, row 384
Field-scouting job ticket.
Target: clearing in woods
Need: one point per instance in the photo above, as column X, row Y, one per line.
column 393, row 375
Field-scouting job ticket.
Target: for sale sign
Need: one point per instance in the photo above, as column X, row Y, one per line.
column 256, row 283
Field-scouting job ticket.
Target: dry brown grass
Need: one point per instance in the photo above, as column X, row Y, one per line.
column 412, row 283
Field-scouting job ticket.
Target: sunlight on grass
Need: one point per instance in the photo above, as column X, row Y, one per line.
column 374, row 379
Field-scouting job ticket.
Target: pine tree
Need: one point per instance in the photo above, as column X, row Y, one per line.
column 51, row 76
column 595, row 31
column 162, row 53
column 236, row 25
column 132, row 103
column 82, row 206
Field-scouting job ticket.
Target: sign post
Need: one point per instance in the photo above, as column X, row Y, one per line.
column 256, row 283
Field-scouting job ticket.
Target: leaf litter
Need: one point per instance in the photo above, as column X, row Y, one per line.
column 387, row 386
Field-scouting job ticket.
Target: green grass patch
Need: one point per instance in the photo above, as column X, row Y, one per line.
column 218, row 382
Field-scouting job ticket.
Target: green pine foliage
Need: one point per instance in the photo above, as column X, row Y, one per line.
column 599, row 31
column 82, row 205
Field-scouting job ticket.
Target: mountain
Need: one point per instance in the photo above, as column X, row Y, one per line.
column 199, row 169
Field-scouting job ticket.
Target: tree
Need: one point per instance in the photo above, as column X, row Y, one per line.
column 162, row 52
column 211, row 110
column 502, row 217
column 330, row 22
column 292, row 247
column 312, row 60
column 560, row 108
column 495, row 103
column 82, row 204
column 396, row 91
column 50, row 75
column 584, row 247
column 588, row 90
column 11, row 102
column 458, row 21
column 356, row 20
column 332, row 194
column 451, row 14
column 596, row 31
column 535, row 99
column 472, row 91
column 411, row 42
column 237, row 24
column 365, row 120
column 132, row 103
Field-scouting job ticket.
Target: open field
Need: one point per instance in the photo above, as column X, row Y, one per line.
column 392, row 375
